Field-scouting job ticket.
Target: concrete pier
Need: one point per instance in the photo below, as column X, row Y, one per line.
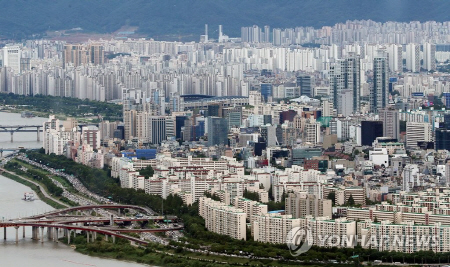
column 17, row 234
column 42, row 234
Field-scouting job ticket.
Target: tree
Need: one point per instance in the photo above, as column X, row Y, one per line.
column 351, row 201
column 147, row 172
column 332, row 196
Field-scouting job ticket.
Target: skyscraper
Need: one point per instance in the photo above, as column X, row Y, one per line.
column 370, row 130
column 429, row 56
column 161, row 128
column 379, row 93
column 345, row 75
column 442, row 135
column 395, row 52
column 304, row 81
column 417, row 132
column 413, row 57
column 96, row 54
column 11, row 57
column 266, row 90
column 217, row 131
column 391, row 122
column 179, row 124
column 82, row 54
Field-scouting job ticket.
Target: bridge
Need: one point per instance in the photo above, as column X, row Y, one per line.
column 72, row 223
column 8, row 149
column 102, row 206
column 23, row 129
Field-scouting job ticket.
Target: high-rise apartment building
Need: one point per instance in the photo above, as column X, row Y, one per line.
column 379, row 95
column 255, row 34
column 413, row 57
column 90, row 135
column 301, row 204
column 96, row 54
column 83, row 54
column 395, row 52
column 429, row 56
column 345, row 75
column 312, row 132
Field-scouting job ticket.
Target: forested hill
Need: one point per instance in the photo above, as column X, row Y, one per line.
column 21, row 18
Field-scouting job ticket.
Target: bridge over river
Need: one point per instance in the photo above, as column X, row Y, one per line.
column 61, row 220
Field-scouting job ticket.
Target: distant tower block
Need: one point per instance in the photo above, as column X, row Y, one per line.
column 206, row 33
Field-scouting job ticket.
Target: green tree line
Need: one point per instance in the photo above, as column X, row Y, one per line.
column 69, row 106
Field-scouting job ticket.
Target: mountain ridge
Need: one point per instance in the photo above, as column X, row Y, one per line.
column 21, row 18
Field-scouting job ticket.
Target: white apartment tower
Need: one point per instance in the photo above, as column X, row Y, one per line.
column 429, row 56
column 395, row 52
column 413, row 57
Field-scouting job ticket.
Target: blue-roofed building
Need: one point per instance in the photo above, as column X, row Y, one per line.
column 146, row 153
column 140, row 154
column 276, row 211
column 127, row 154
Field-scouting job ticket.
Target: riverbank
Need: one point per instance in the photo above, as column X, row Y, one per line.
column 155, row 254
column 36, row 187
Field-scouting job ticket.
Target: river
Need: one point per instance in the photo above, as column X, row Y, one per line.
column 29, row 252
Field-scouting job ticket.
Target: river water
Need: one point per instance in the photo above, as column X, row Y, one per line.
column 29, row 252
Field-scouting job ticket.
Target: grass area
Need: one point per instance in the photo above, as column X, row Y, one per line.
column 155, row 254
column 36, row 189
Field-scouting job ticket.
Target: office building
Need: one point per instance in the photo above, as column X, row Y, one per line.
column 417, row 132
column 442, row 134
column 217, row 131
column 391, row 122
column 304, row 81
column 370, row 130
column 179, row 124
column 12, row 57
column 266, row 91
column 161, row 128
